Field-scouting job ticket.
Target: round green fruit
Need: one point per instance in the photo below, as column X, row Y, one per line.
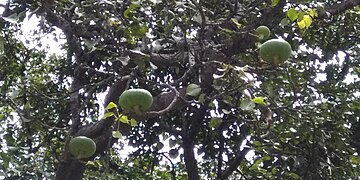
column 275, row 51
column 136, row 100
column 263, row 32
column 82, row 147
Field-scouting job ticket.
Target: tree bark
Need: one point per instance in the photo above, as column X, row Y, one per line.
column 190, row 161
column 70, row 170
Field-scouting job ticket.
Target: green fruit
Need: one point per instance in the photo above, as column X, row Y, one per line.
column 275, row 51
column 263, row 32
column 82, row 147
column 136, row 100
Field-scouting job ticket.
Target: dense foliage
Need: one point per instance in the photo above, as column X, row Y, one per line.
column 219, row 111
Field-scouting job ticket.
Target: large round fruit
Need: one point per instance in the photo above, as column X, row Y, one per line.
column 275, row 51
column 82, row 147
column 136, row 100
column 263, row 32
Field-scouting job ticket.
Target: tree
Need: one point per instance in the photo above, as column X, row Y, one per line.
column 215, row 100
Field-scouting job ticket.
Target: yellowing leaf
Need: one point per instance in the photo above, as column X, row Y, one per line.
column 301, row 24
column 108, row 114
column 305, row 22
column 259, row 100
column 308, row 20
column 133, row 122
column 236, row 22
column 124, row 119
column 116, row 134
column 111, row 105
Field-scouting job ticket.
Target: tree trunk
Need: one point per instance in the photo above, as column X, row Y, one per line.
column 190, row 161
column 70, row 170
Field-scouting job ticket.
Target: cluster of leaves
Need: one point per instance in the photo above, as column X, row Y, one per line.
column 32, row 107
column 112, row 111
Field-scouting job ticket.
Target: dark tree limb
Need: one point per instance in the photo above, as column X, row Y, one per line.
column 221, row 151
column 235, row 163
column 188, row 136
column 75, row 106
column 190, row 161
column 342, row 7
column 70, row 169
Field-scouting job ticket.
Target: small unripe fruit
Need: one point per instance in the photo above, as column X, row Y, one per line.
column 263, row 32
column 82, row 147
column 275, row 51
column 136, row 100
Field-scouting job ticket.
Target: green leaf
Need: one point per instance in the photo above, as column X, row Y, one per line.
column 172, row 143
column 159, row 145
column 90, row 43
column 173, row 153
column 27, row 106
column 130, row 10
column 266, row 158
column 284, row 22
column 108, row 114
column 193, row 90
column 201, row 98
column 111, row 105
column 165, row 136
column 140, row 63
column 247, row 105
column 312, row 12
column 293, row 176
column 225, row 111
column 116, row 134
column 133, row 122
column 256, row 165
column 292, row 14
column 257, row 143
column 355, row 160
column 124, row 119
column 274, row 2
column 90, row 163
column 215, row 122
column 259, row 100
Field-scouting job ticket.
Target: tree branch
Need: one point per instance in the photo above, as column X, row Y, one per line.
column 235, row 163
column 342, row 6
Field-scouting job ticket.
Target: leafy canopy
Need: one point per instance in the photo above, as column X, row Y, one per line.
column 219, row 111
